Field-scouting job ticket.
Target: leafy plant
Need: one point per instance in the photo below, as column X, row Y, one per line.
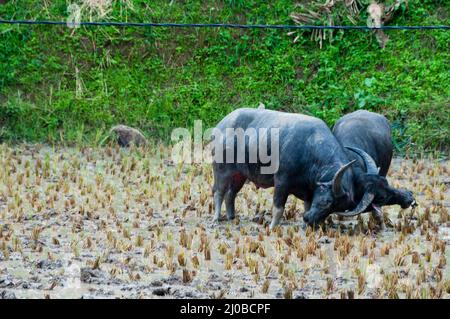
column 64, row 85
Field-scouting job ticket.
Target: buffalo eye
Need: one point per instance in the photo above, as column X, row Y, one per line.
column 382, row 182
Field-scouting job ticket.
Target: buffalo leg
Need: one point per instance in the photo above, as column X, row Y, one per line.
column 218, row 200
column 279, row 200
column 230, row 197
column 219, row 189
column 307, row 205
column 377, row 215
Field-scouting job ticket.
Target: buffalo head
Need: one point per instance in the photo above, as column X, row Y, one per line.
column 333, row 197
column 329, row 197
column 377, row 191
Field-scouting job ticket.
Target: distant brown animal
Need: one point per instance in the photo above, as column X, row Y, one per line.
column 127, row 135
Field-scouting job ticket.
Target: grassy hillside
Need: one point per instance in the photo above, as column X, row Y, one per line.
column 61, row 85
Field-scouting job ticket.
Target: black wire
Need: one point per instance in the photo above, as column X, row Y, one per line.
column 221, row 25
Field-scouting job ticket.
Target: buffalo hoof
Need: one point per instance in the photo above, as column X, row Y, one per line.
column 230, row 218
column 258, row 218
column 216, row 221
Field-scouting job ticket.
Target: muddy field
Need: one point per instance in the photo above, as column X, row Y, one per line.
column 111, row 223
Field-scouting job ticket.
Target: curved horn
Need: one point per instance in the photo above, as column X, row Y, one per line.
column 362, row 206
column 371, row 167
column 337, row 179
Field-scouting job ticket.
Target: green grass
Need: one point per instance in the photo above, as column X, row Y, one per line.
column 60, row 85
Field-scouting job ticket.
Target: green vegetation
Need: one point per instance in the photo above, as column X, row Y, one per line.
column 62, row 85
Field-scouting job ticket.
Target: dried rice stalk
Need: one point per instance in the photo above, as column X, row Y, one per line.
column 379, row 15
column 100, row 9
column 336, row 12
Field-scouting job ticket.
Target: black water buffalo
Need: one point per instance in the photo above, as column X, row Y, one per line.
column 371, row 133
column 312, row 165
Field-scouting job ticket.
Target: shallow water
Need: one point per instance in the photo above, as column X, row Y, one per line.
column 106, row 223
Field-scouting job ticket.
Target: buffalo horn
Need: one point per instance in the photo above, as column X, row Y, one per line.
column 371, row 167
column 337, row 179
column 362, row 206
